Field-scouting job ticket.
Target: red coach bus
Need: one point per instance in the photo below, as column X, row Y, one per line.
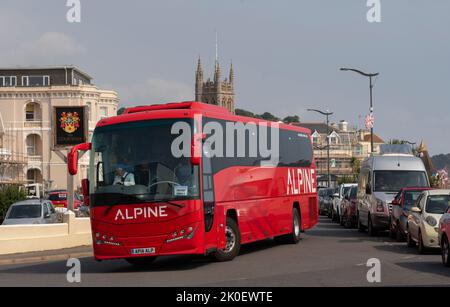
column 147, row 201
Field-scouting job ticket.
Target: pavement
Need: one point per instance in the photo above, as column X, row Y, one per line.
column 328, row 255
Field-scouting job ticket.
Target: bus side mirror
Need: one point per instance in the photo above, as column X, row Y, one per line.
column 72, row 157
column 196, row 148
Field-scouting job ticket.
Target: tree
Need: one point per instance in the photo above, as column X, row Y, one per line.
column 9, row 194
column 269, row 116
column 291, row 119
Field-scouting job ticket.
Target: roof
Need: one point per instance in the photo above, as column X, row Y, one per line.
column 376, row 139
column 396, row 162
column 438, row 192
column 34, row 201
column 319, row 127
column 56, row 67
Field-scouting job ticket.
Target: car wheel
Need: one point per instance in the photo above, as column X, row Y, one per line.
column 233, row 242
column 445, row 252
column 398, row 233
column 370, row 229
column 409, row 240
column 141, row 261
column 295, row 236
column 420, row 247
column 360, row 226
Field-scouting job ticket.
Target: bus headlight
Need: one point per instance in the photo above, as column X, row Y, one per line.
column 183, row 233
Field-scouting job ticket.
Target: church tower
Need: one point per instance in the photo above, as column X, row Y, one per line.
column 217, row 91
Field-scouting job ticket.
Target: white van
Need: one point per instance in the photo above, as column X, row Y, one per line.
column 380, row 179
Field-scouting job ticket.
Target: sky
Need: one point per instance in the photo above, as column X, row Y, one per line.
column 286, row 55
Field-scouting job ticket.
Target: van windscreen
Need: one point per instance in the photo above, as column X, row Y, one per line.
column 393, row 181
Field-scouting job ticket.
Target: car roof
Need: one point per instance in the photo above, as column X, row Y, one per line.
column 416, row 189
column 57, row 191
column 438, row 192
column 30, row 202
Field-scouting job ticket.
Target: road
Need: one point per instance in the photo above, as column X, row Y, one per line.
column 328, row 255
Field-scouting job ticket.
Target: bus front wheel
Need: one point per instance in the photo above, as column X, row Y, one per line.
column 233, row 242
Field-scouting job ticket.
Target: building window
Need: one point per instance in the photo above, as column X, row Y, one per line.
column 103, row 112
column 35, row 80
column 31, row 143
column 6, row 81
column 30, row 112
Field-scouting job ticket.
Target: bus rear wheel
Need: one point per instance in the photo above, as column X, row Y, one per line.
column 295, row 236
column 233, row 242
column 141, row 261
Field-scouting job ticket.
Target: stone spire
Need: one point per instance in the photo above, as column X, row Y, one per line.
column 199, row 81
column 231, row 78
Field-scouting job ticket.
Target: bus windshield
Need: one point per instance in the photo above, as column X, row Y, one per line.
column 133, row 163
column 393, row 181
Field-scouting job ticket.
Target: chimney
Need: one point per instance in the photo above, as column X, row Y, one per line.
column 343, row 126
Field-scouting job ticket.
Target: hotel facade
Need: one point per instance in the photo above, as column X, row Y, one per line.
column 27, row 98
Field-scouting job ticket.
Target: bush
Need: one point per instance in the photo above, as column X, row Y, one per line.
column 9, row 195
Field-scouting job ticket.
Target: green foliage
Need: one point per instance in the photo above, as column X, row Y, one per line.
column 441, row 161
column 291, row 119
column 10, row 194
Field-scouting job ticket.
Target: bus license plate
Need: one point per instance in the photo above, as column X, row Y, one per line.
column 143, row 251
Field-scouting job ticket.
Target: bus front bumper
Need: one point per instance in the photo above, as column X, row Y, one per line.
column 186, row 240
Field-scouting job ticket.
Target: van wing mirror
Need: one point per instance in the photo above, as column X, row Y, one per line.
column 72, row 157
column 416, row 210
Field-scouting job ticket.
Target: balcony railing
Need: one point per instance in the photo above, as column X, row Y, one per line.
column 32, row 124
column 34, row 158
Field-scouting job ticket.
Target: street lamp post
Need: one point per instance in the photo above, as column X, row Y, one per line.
column 327, row 114
column 370, row 76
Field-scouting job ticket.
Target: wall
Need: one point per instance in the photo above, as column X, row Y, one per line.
column 33, row 238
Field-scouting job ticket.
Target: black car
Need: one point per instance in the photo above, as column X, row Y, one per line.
column 325, row 200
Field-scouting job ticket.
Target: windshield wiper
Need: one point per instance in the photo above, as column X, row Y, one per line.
column 168, row 202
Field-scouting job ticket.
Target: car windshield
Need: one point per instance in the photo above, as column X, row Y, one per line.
column 25, row 212
column 133, row 163
column 353, row 193
column 57, row 196
column 393, row 181
column 410, row 199
column 437, row 204
column 345, row 190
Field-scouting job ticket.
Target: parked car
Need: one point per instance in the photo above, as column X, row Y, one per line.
column 444, row 237
column 59, row 199
column 338, row 197
column 349, row 208
column 401, row 206
column 31, row 211
column 380, row 179
column 325, row 200
column 424, row 218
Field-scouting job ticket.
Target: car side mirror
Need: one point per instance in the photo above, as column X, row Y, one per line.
column 335, row 195
column 416, row 210
column 47, row 215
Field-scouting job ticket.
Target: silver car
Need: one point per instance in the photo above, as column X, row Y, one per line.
column 31, row 211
